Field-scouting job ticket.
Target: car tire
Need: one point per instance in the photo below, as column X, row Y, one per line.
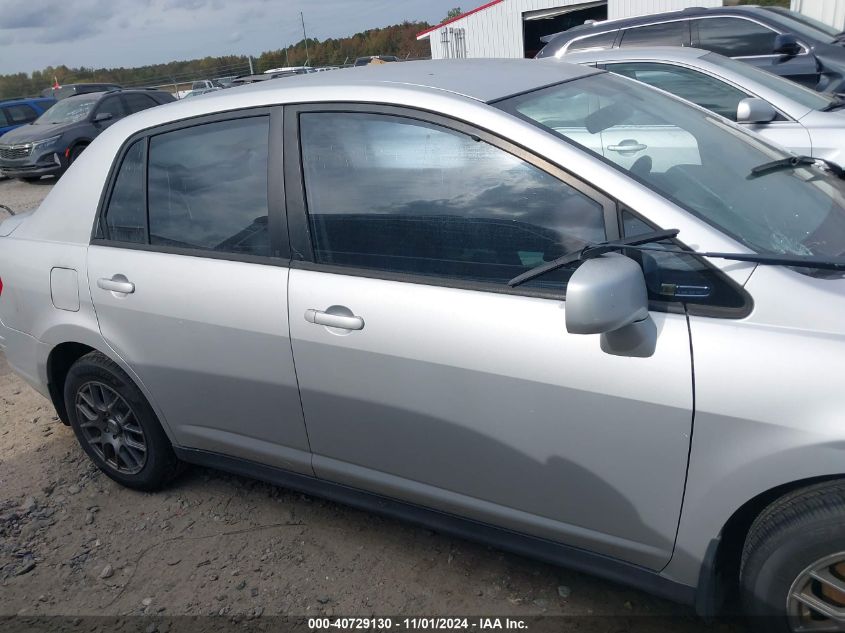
column 795, row 541
column 116, row 426
column 30, row 178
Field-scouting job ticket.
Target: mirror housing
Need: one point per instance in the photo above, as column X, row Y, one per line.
column 605, row 294
column 754, row 110
column 786, row 44
column 103, row 116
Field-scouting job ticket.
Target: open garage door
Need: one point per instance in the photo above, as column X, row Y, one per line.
column 538, row 24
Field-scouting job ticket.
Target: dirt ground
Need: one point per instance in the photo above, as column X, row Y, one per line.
column 74, row 543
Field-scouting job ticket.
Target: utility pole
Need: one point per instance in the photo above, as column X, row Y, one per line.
column 307, row 56
column 287, row 61
column 251, row 72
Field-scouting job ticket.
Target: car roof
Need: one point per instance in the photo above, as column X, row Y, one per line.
column 621, row 23
column 666, row 53
column 484, row 80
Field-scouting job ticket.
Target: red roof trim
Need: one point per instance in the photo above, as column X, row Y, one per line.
column 460, row 17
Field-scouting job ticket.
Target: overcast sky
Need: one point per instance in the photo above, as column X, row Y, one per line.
column 110, row 33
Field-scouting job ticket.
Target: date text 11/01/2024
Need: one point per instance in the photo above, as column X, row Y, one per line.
column 418, row 623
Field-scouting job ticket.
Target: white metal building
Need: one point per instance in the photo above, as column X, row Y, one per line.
column 512, row 28
column 830, row 12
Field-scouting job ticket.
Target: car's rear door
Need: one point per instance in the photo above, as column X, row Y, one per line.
column 189, row 275
column 424, row 377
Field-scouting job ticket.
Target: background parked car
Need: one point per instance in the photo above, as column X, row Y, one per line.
column 200, row 91
column 55, row 139
column 17, row 112
column 205, row 84
column 70, row 90
column 774, row 39
column 375, row 59
column 800, row 119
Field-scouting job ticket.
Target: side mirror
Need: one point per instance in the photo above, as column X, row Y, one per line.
column 786, row 44
column 608, row 296
column 103, row 116
column 753, row 110
column 605, row 294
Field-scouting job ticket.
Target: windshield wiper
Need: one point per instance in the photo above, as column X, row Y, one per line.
column 640, row 243
column 589, row 251
column 793, row 162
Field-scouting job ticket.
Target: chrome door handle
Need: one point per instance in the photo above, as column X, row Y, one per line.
column 334, row 320
column 627, row 146
column 118, row 283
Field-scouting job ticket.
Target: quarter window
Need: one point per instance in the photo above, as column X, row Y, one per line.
column 665, row 34
column 403, row 196
column 701, row 89
column 126, row 217
column 602, row 40
column 735, row 37
column 208, row 187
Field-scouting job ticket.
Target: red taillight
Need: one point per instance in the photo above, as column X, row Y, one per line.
column 1, row 285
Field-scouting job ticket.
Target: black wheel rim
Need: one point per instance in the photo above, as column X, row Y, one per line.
column 816, row 599
column 110, row 428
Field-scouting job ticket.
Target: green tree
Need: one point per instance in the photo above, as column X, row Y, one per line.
column 453, row 13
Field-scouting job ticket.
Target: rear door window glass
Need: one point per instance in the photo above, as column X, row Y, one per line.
column 208, row 187
column 136, row 102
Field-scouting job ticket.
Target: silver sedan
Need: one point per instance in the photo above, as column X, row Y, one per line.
column 802, row 120
column 427, row 290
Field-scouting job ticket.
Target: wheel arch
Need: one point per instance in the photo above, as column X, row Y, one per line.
column 719, row 578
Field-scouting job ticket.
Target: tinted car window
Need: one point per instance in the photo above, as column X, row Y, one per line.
column 404, row 196
column 20, row 113
column 208, row 187
column 126, row 217
column 666, row 34
column 3, row 119
column 735, row 37
column 110, row 105
column 136, row 102
column 701, row 89
column 602, row 40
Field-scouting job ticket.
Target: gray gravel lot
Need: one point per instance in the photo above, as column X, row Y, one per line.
column 74, row 543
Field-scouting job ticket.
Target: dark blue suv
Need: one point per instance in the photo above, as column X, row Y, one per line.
column 17, row 112
column 772, row 38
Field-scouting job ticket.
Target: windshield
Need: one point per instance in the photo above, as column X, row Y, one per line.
column 68, row 110
column 798, row 93
column 696, row 159
column 799, row 24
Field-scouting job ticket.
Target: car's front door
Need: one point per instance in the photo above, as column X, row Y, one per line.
column 424, row 377
column 111, row 106
column 192, row 293
column 716, row 95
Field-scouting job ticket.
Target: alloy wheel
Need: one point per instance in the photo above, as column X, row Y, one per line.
column 110, row 427
column 816, row 601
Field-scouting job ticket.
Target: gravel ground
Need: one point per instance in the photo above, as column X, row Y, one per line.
column 74, row 543
column 22, row 196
